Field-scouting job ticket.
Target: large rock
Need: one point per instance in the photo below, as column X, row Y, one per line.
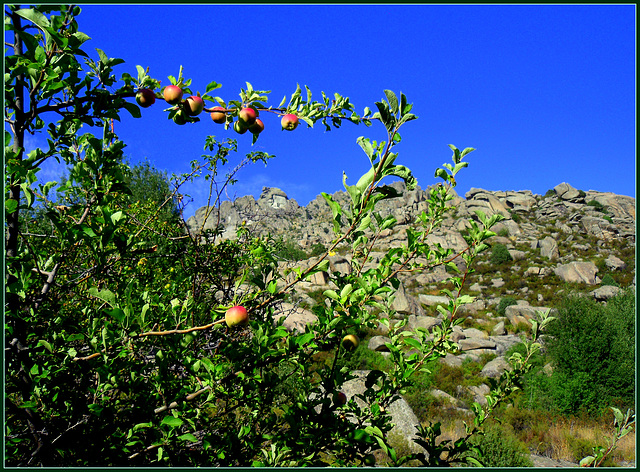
column 605, row 292
column 295, row 318
column 402, row 416
column 580, row 272
column 615, row 263
column 549, row 248
column 495, row 368
column 472, row 344
column 406, row 304
column 524, row 313
column 567, row 192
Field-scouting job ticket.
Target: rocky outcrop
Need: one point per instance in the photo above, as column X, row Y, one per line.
column 581, row 272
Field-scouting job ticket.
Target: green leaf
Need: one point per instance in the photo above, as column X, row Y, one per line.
column 172, row 421
column 10, row 205
column 46, row 345
column 133, row 109
column 35, row 17
column 323, row 266
column 212, row 86
column 117, row 314
column 366, row 180
column 331, row 294
column 366, row 146
column 105, row 295
column 188, row 437
column 393, row 100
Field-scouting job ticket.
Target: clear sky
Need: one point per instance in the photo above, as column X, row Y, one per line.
column 545, row 93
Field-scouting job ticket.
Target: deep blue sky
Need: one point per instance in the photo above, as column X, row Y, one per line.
column 546, row 94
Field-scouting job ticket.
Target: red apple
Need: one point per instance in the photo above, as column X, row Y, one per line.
column 194, row 105
column 248, row 116
column 239, row 127
column 257, row 127
column 172, row 94
column 236, row 316
column 350, row 342
column 340, row 398
column 218, row 116
column 290, row 122
column 145, row 97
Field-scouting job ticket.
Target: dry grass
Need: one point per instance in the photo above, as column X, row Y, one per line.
column 573, row 440
column 556, row 438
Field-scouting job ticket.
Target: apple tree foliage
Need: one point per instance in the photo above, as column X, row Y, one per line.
column 115, row 353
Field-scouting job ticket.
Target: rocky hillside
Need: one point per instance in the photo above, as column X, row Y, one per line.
column 567, row 240
column 564, row 241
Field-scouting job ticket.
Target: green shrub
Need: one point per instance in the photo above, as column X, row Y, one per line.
column 607, row 279
column 317, row 249
column 597, row 205
column 290, row 251
column 500, row 254
column 593, row 351
column 501, row 448
column 504, row 303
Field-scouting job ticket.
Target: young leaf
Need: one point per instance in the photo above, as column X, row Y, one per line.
column 393, row 100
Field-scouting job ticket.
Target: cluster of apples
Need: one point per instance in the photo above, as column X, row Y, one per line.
column 194, row 105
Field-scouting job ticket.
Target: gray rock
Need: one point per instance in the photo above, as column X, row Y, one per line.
column 494, row 368
column 377, row 343
column 406, row 304
column 605, row 292
column 479, row 393
column 505, row 342
column 580, row 272
column 426, row 322
column 497, row 282
column 295, row 318
column 402, row 416
column 549, row 248
column 498, row 329
column 615, row 263
column 433, row 300
column 471, row 344
column 524, row 313
column 340, row 264
column 475, row 333
column 566, row 191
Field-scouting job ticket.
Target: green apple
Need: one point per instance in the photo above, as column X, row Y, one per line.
column 239, row 127
column 236, row 316
column 350, row 342
column 369, row 460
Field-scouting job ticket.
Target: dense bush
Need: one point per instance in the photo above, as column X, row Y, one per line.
column 593, row 351
column 500, row 254
column 504, row 303
column 608, row 279
column 501, row 448
column 317, row 249
column 289, row 250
